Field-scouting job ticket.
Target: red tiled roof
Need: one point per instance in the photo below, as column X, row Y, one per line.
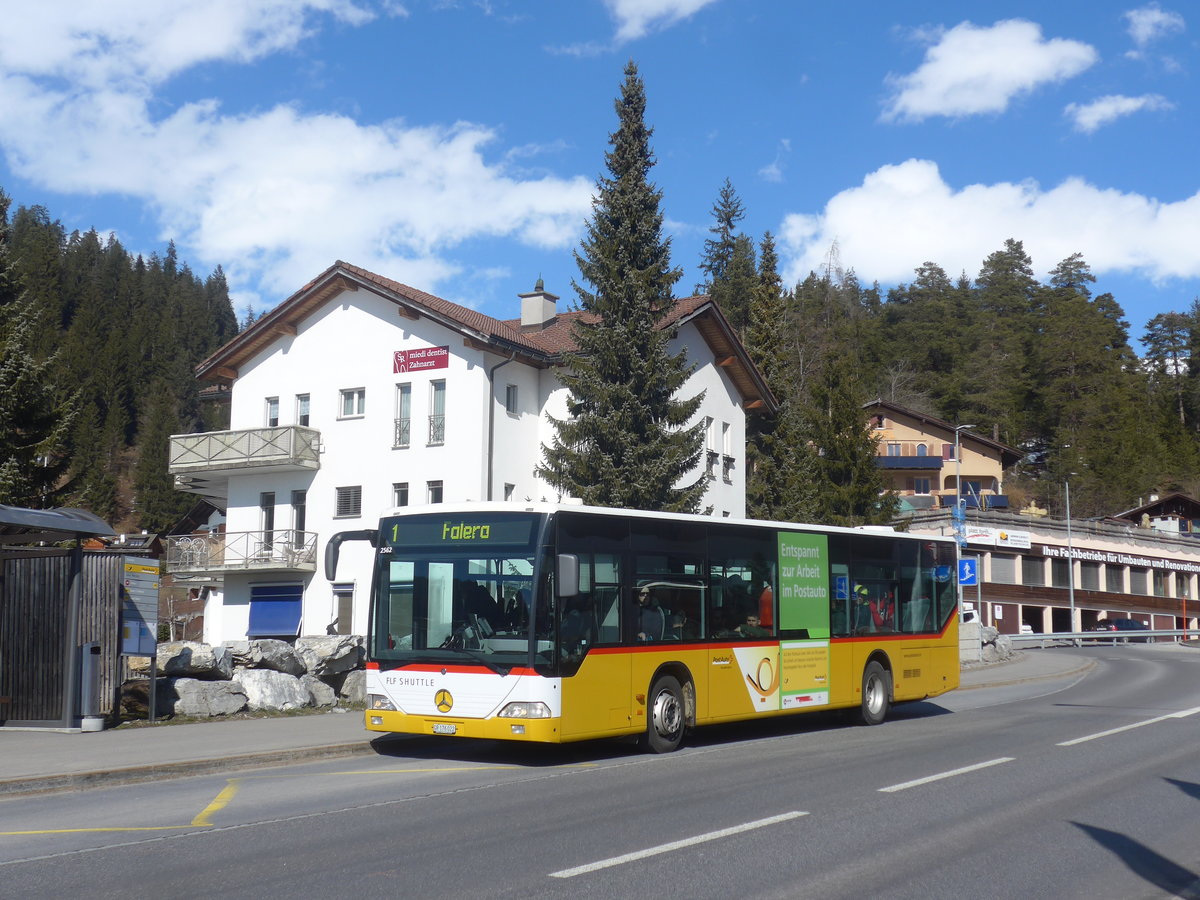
column 542, row 347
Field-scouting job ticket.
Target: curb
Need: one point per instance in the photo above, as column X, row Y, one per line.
column 80, row 781
column 1025, row 679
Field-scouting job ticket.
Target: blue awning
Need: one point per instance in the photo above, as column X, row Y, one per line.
column 275, row 610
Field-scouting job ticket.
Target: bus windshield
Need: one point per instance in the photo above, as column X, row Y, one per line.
column 458, row 589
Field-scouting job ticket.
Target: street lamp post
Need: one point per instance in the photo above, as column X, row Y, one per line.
column 959, row 510
column 1070, row 555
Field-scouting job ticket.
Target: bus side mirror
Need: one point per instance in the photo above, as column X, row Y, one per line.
column 335, row 543
column 568, row 575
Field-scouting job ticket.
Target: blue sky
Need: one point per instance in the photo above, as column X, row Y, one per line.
column 454, row 146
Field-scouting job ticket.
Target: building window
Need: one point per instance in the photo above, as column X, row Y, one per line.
column 1137, row 581
column 433, row 491
column 726, row 439
column 1160, row 582
column 343, row 609
column 920, row 485
column 349, row 502
column 437, row 414
column 1033, row 571
column 922, row 450
column 712, row 457
column 266, row 524
column 893, row 449
column 272, row 412
column 510, row 399
column 400, row 493
column 354, row 403
column 403, row 416
column 299, row 516
column 302, row 409
column 1004, row 569
column 509, row 490
column 1114, row 579
column 1089, row 575
column 1060, row 573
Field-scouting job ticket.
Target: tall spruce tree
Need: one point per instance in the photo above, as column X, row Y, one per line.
column 779, row 464
column 626, row 442
column 36, row 413
column 718, row 250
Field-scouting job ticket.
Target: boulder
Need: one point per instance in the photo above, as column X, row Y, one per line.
column 193, row 697
column 330, row 654
column 277, row 655
column 322, row 694
column 189, row 659
column 353, row 688
column 268, row 689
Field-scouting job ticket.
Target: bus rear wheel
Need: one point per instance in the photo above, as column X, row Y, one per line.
column 876, row 694
column 665, row 715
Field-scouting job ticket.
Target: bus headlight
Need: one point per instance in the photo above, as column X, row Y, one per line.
column 378, row 701
column 525, row 709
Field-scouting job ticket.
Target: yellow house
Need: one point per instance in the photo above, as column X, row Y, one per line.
column 917, row 453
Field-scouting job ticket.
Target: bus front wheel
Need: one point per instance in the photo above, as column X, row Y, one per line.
column 665, row 715
column 876, row 694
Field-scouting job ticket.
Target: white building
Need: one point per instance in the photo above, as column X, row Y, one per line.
column 358, row 394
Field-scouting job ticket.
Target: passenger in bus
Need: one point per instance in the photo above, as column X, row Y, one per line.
column 654, row 623
column 481, row 604
column 752, row 628
column 883, row 612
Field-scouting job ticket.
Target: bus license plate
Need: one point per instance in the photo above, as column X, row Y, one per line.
column 444, row 728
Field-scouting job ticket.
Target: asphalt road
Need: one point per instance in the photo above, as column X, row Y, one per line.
column 1081, row 787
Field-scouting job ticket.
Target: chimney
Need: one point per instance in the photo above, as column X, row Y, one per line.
column 537, row 308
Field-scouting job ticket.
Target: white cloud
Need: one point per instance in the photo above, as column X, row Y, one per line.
column 972, row 70
column 902, row 215
column 637, row 18
column 1151, row 22
column 272, row 193
column 1088, row 117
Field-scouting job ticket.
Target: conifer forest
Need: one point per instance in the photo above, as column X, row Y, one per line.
column 98, row 348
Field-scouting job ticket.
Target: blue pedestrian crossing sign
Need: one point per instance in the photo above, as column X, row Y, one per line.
column 968, row 572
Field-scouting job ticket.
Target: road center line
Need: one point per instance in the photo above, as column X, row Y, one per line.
column 1182, row 714
column 963, row 771
column 219, row 802
column 676, row 845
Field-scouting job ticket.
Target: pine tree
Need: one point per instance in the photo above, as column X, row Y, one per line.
column 733, row 290
column 779, row 466
column 832, row 340
column 718, row 250
column 36, row 415
column 626, row 442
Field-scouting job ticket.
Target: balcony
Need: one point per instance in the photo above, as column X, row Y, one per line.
column 281, row 551
column 201, row 463
column 916, row 463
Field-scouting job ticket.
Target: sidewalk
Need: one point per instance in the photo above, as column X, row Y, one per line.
column 35, row 761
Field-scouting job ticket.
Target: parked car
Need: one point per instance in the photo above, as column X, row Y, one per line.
column 1125, row 625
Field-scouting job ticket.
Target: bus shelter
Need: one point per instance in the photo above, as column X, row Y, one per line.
column 46, row 615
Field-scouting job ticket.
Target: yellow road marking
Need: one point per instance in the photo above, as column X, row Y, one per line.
column 234, row 785
column 219, row 802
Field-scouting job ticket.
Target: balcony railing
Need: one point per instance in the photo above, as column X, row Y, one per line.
column 284, row 447
column 437, row 431
column 403, row 433
column 261, row 551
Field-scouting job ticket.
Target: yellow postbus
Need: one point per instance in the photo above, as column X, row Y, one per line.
column 560, row 623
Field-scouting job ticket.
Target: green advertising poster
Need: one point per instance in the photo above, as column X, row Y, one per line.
column 804, row 583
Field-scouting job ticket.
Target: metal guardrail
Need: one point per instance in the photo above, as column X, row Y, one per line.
column 1079, row 638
